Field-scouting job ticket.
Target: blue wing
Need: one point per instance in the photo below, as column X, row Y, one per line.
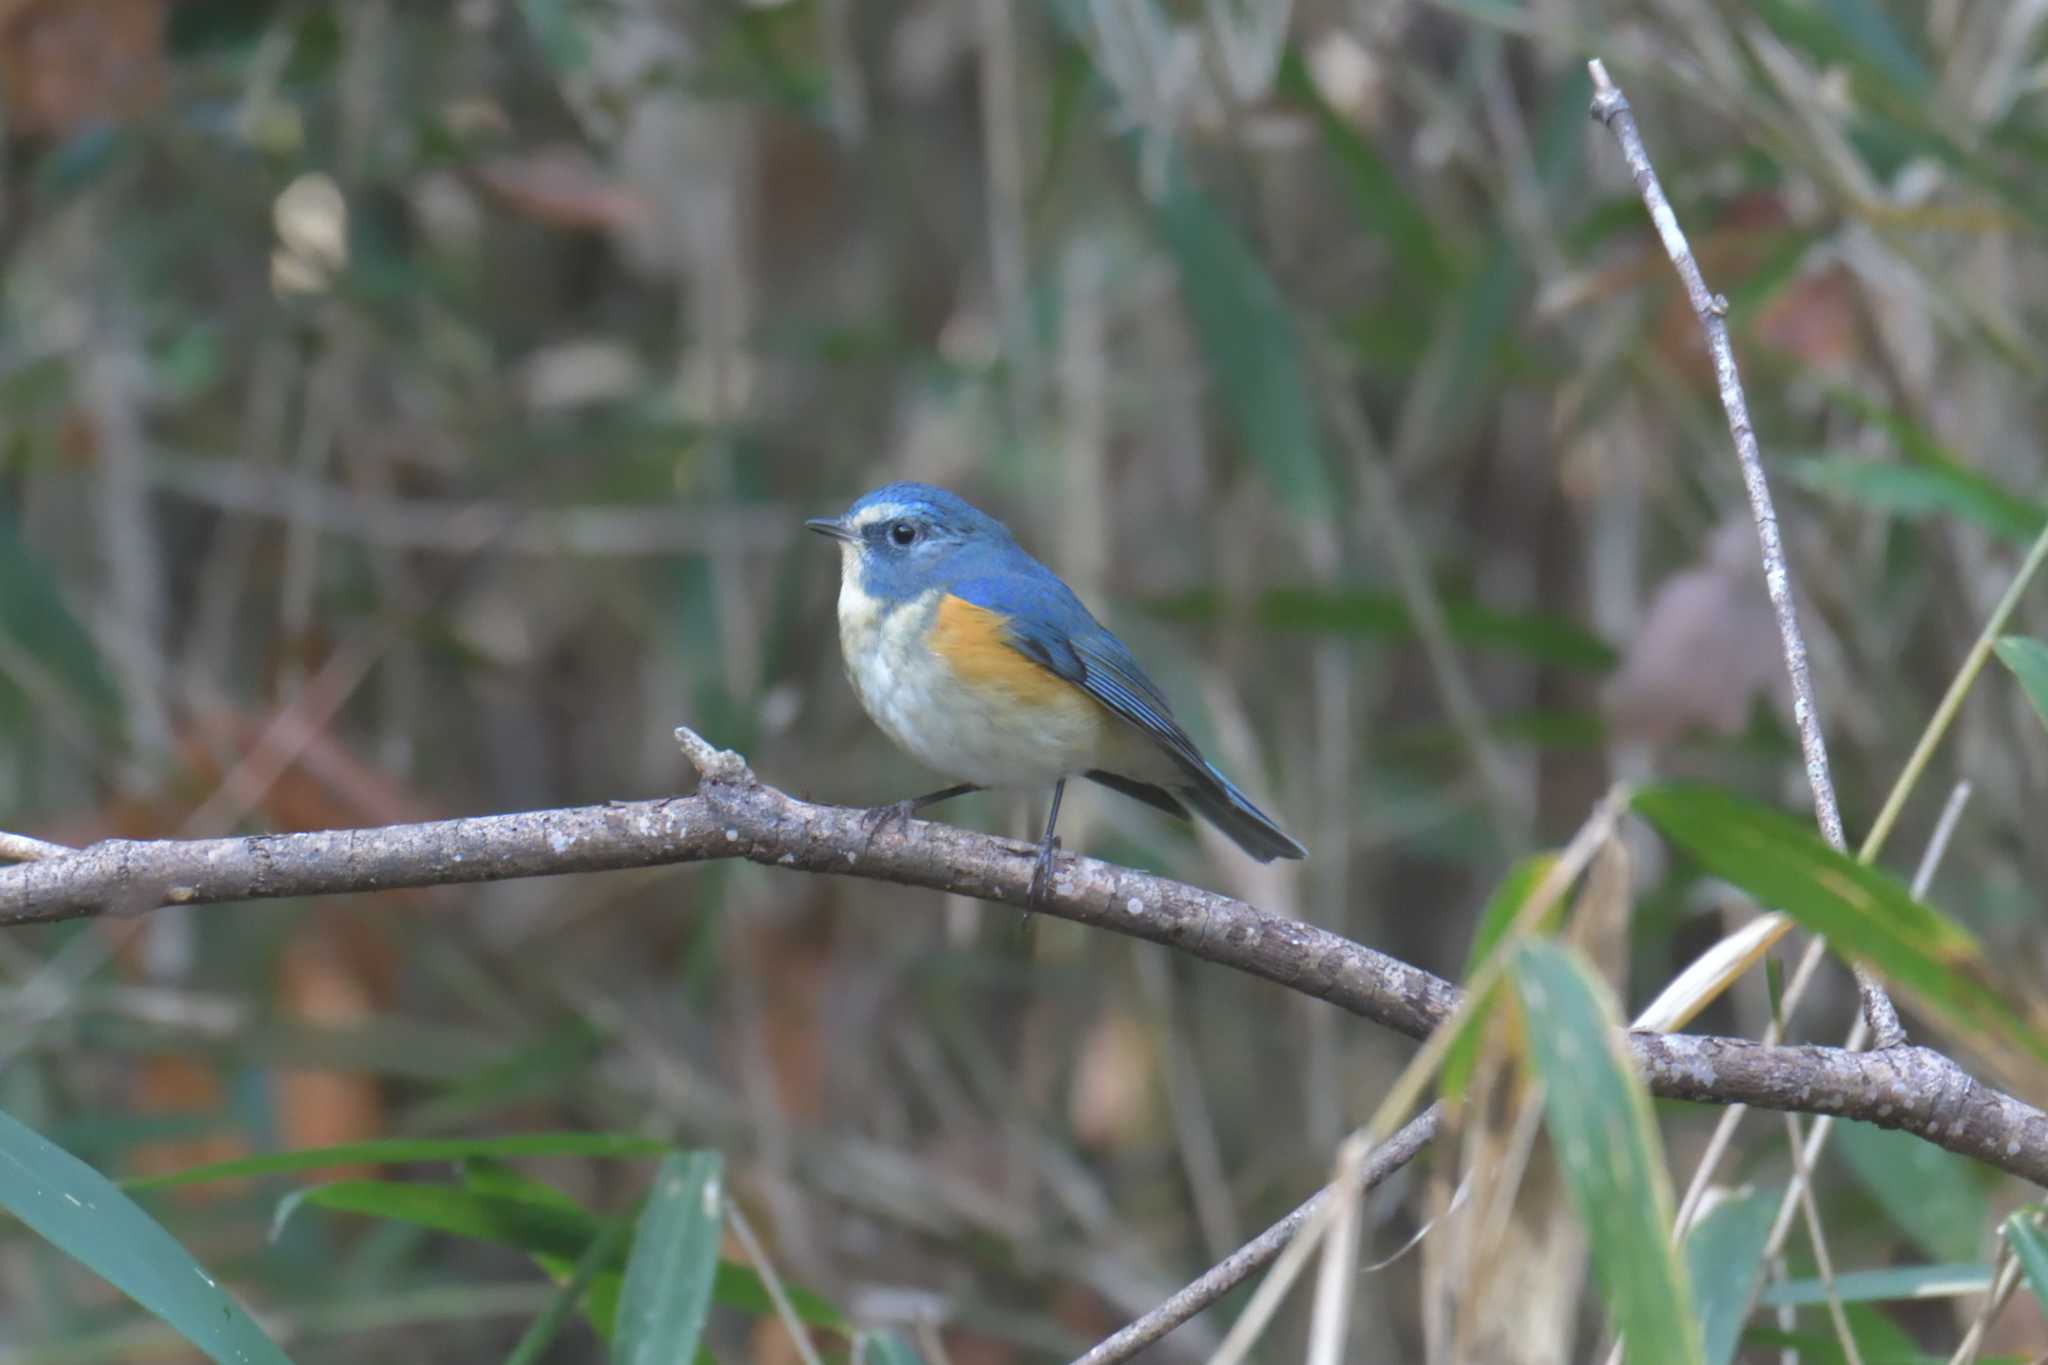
column 1048, row 625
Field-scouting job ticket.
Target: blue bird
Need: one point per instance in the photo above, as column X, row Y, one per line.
column 983, row 665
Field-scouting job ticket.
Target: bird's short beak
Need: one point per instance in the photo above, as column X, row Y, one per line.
column 830, row 526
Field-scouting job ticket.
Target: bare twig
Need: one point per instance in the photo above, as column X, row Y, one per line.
column 734, row 815
column 1255, row 1255
column 1611, row 107
column 772, row 1282
column 1823, row 1259
column 1805, row 1155
column 2005, row 1278
column 1339, row 1271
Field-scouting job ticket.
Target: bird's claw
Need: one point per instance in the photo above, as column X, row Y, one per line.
column 1040, row 894
column 881, row 817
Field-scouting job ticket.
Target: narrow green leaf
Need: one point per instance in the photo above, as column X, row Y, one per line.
column 1252, row 351
column 1879, row 1341
column 35, row 621
column 1846, row 33
column 557, row 33
column 541, row 1332
column 1880, row 43
column 490, row 1176
column 2023, row 1235
column 545, row 1227
column 2028, row 660
column 83, row 1214
column 1931, row 1195
column 383, row 1150
column 1384, row 206
column 600, row 1298
column 675, row 1256
column 1506, row 903
column 1819, row 1347
column 1934, row 486
column 1878, row 1286
column 1605, row 1140
column 1724, row 1258
column 1862, row 911
column 886, row 1348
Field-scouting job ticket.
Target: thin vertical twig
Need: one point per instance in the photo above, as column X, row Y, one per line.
column 1338, row 1274
column 1873, row 844
column 772, row 1282
column 2005, row 1278
column 1255, row 1255
column 1823, row 1259
column 1611, row 108
column 1806, row 1154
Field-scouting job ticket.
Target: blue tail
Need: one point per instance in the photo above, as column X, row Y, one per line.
column 1231, row 811
column 1223, row 805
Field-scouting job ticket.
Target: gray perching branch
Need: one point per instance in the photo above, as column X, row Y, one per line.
column 734, row 815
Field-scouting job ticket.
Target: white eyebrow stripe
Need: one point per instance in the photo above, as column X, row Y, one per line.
column 880, row 512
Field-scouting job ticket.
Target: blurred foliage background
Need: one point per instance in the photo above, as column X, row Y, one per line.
column 409, row 409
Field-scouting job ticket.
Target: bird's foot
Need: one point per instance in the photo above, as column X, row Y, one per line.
column 879, row 818
column 1040, row 894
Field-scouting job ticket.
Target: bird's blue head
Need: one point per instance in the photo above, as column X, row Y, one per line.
column 903, row 539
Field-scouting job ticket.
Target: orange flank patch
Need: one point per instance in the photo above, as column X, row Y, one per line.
column 973, row 642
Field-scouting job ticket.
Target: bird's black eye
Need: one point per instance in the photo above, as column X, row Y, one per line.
column 903, row 533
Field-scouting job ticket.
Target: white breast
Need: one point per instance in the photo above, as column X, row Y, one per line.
column 968, row 734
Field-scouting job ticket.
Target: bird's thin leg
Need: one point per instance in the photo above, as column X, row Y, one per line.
column 1048, row 843
column 896, row 812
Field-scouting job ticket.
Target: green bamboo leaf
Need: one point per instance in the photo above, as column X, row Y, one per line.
column 1882, row 1286
column 600, row 1298
column 2028, row 660
column 84, row 1215
column 1922, row 489
column 390, row 1150
column 38, row 624
column 886, row 1348
column 540, row 1334
column 2023, row 1235
column 1605, row 1140
column 557, row 33
column 1931, row 1195
column 1849, row 33
column 543, row 1227
column 675, row 1257
column 1879, row 1341
column 1383, row 205
column 1880, row 44
column 1506, row 903
column 1252, row 351
column 1862, row 911
column 1724, row 1258
column 529, row 1225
